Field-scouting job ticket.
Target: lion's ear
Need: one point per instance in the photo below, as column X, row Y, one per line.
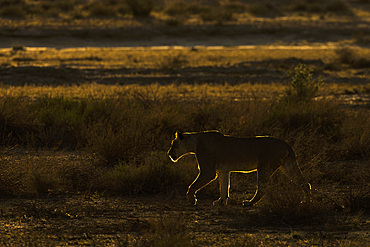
column 179, row 135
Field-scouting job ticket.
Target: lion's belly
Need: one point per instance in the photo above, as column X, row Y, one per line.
column 245, row 167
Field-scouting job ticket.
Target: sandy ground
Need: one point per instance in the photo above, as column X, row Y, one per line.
column 109, row 221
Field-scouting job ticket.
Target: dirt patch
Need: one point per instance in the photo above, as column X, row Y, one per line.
column 95, row 220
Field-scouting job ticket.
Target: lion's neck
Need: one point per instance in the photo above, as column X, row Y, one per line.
column 191, row 143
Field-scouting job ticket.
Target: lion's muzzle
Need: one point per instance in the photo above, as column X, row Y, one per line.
column 172, row 155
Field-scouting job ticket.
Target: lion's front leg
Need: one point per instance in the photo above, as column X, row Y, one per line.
column 191, row 197
column 202, row 180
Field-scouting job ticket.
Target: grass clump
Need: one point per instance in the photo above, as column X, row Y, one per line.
column 155, row 175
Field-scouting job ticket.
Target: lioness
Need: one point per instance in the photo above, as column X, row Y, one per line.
column 218, row 155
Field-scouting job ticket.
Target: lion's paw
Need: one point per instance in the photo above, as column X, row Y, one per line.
column 220, row 202
column 247, row 203
column 192, row 199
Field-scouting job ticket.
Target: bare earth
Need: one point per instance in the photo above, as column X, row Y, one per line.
column 106, row 221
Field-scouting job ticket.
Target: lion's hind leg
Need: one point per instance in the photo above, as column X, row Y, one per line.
column 264, row 173
column 224, row 178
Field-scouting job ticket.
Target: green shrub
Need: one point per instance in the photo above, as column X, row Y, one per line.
column 302, row 87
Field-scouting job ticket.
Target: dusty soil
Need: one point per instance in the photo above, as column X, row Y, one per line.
column 110, row 221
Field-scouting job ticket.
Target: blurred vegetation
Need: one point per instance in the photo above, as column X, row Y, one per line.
column 174, row 12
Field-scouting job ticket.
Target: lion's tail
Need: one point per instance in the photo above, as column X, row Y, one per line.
column 292, row 170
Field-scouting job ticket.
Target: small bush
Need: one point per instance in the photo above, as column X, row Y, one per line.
column 303, row 87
